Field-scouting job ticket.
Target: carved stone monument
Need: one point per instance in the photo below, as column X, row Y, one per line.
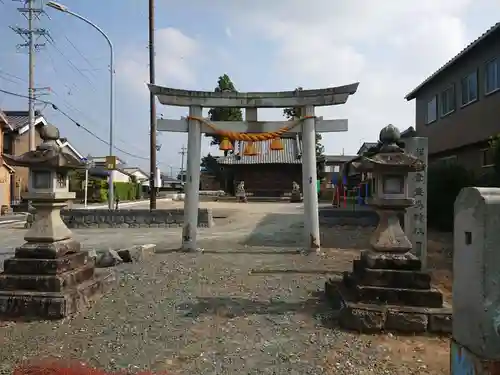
column 49, row 277
column 387, row 289
column 475, row 345
column 296, row 194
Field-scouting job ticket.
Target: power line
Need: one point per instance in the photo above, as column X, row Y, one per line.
column 70, row 106
column 89, row 119
column 3, row 72
column 75, row 122
column 6, row 78
column 71, row 64
column 80, row 53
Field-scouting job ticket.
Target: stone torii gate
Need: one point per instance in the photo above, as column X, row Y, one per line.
column 194, row 125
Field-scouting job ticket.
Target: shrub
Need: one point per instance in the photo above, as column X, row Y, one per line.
column 444, row 184
column 125, row 191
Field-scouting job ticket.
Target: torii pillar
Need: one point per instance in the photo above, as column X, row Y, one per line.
column 251, row 101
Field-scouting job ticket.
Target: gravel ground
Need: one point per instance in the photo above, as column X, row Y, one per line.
column 234, row 308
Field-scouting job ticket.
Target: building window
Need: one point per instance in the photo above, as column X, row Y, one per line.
column 448, row 101
column 487, row 155
column 492, row 76
column 7, row 144
column 432, row 110
column 469, row 88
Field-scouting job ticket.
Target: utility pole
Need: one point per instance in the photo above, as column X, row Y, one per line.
column 32, row 13
column 152, row 107
column 182, row 152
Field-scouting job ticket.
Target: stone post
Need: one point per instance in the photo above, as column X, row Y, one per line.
column 309, row 177
column 475, row 345
column 416, row 216
column 192, row 199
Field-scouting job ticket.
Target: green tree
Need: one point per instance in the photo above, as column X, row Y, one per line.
column 213, row 167
column 224, row 83
column 291, row 113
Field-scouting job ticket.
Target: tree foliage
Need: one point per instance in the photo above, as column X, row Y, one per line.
column 213, row 167
column 224, row 83
column 291, row 113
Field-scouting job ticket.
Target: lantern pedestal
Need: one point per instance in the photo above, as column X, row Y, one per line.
column 388, row 292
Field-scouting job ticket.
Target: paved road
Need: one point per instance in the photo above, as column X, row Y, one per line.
column 241, row 223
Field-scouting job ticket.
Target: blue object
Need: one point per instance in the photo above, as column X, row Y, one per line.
column 367, row 191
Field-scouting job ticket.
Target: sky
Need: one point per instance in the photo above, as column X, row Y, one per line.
column 388, row 46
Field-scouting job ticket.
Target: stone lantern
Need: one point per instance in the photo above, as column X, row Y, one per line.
column 50, row 276
column 387, row 289
column 389, row 166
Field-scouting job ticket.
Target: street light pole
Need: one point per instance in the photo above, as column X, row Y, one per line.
column 64, row 9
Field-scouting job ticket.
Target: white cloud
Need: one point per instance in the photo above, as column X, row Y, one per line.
column 174, row 63
column 389, row 47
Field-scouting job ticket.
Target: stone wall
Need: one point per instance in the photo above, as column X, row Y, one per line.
column 132, row 218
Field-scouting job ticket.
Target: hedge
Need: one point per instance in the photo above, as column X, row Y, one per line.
column 123, row 191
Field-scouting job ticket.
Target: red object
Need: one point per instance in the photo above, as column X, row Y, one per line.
column 60, row 367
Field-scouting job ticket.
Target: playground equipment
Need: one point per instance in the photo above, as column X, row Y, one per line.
column 252, row 130
column 347, row 196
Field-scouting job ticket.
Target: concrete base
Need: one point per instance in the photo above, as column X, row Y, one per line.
column 388, row 292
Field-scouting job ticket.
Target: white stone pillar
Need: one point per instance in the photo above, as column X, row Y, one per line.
column 251, row 114
column 309, row 177
column 192, row 200
column 416, row 216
